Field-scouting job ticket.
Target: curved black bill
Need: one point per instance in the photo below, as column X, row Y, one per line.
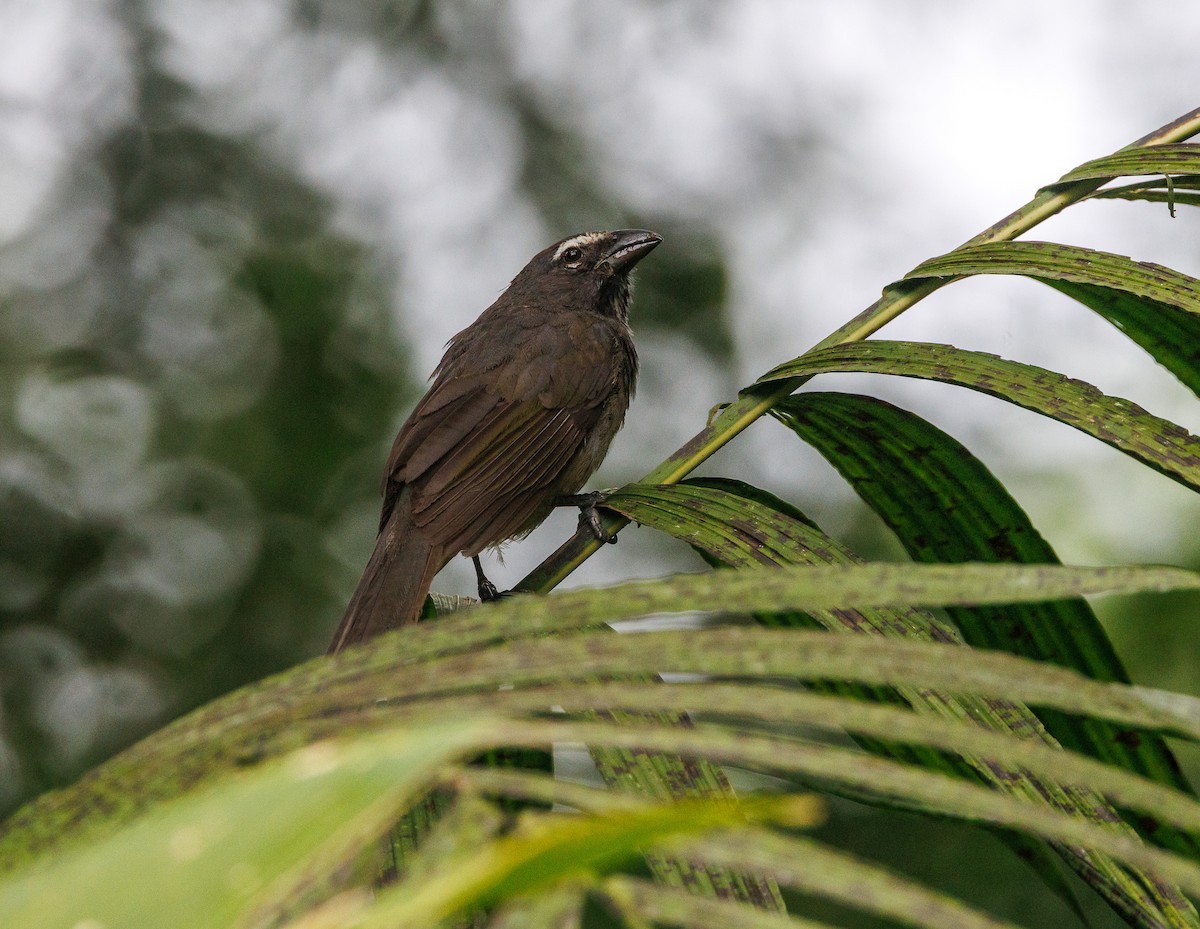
column 630, row 247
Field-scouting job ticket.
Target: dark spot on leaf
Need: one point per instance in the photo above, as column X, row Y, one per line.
column 1130, row 738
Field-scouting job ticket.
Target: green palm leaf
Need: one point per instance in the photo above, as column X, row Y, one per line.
column 945, row 506
column 1156, row 442
column 1155, row 306
column 343, row 697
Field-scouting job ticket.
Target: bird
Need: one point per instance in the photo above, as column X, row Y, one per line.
column 521, row 411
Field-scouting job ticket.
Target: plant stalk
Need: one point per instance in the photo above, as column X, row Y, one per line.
column 896, row 298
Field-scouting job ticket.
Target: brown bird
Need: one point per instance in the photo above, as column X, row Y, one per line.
column 522, row 409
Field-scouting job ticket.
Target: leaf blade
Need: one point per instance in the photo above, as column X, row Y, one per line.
column 191, row 851
column 1152, row 440
column 1179, row 158
column 944, row 505
column 1154, row 306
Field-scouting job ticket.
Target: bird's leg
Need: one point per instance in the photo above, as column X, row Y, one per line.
column 487, row 590
column 588, row 516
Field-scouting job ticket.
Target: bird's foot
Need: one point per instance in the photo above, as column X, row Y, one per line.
column 589, row 517
column 487, row 590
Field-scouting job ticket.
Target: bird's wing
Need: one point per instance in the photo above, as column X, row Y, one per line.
column 486, row 452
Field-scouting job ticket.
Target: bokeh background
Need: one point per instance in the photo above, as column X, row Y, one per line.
column 235, row 234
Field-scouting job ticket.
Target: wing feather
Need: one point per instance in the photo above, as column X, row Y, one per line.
column 501, row 491
column 487, row 450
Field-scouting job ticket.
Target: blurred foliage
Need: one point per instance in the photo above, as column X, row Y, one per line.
column 246, row 359
column 194, row 415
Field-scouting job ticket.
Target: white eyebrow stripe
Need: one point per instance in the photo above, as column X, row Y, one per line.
column 580, row 241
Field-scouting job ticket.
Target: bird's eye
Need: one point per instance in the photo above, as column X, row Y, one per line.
column 572, row 255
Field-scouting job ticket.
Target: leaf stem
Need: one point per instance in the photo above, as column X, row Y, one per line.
column 896, row 298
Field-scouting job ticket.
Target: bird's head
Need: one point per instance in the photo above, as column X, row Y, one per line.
column 587, row 271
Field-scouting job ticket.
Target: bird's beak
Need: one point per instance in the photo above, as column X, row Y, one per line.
column 629, row 247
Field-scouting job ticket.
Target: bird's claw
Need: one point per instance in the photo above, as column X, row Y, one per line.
column 488, row 591
column 589, row 516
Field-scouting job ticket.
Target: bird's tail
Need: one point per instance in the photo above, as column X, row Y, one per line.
column 394, row 583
